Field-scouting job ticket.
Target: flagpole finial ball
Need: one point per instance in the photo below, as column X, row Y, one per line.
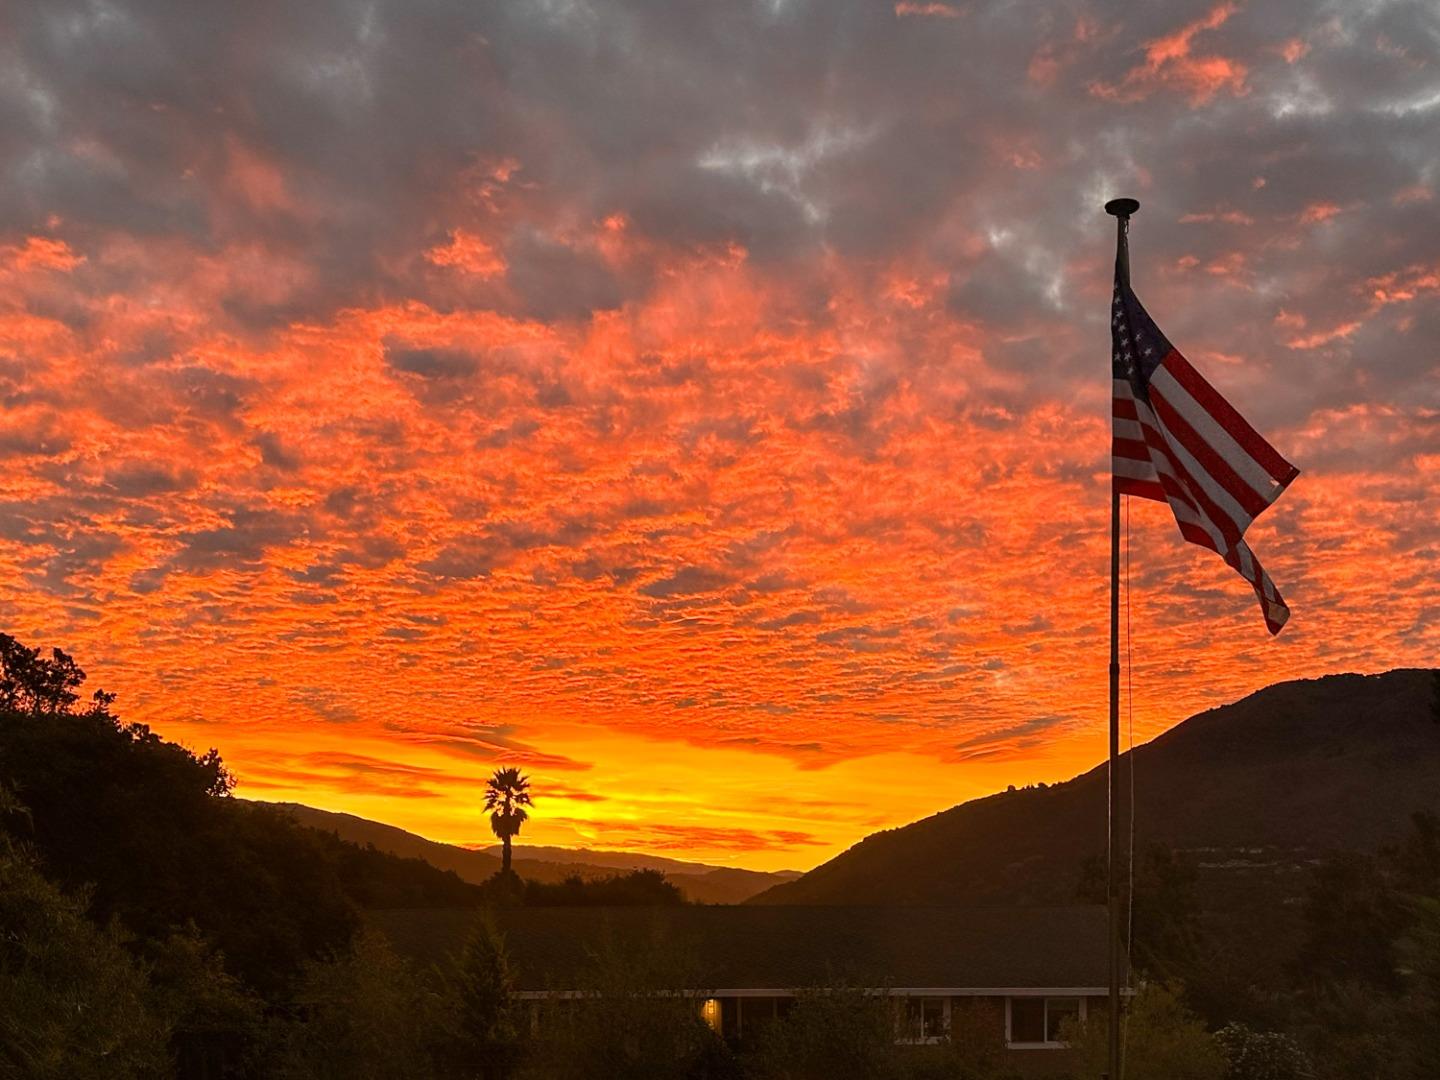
column 1122, row 207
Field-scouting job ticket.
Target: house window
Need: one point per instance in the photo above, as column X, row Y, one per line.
column 755, row 1014
column 932, row 1018
column 1038, row 1021
column 1060, row 1012
column 926, row 1019
column 1027, row 1020
column 730, row 1017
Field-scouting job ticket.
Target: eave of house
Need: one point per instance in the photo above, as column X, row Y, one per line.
column 889, row 991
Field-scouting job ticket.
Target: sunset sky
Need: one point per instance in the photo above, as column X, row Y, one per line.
column 704, row 406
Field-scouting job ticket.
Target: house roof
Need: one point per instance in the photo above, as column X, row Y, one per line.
column 764, row 947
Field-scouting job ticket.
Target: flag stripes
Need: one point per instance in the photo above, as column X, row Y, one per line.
column 1177, row 441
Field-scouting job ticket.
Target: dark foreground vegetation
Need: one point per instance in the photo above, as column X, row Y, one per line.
column 151, row 926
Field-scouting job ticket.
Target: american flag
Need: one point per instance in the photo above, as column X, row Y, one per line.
column 1177, row 441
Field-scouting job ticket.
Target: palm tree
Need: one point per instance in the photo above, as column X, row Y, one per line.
column 507, row 793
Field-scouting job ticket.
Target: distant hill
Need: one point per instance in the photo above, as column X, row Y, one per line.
column 620, row 860
column 1253, row 792
column 701, row 883
column 472, row 866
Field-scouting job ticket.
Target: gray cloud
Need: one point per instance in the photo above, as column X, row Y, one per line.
column 786, row 129
column 687, row 581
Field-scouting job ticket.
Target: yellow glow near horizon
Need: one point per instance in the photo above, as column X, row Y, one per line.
column 723, row 806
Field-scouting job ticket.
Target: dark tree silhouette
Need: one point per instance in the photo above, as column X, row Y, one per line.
column 73, row 1001
column 639, row 888
column 1353, row 916
column 1165, row 919
column 30, row 683
column 507, row 793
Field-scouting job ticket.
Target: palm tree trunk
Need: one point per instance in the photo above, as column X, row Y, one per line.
column 505, row 855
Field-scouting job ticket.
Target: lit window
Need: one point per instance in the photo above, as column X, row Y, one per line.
column 710, row 1013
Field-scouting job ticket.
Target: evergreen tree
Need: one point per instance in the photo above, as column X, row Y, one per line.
column 484, row 1021
column 364, row 1015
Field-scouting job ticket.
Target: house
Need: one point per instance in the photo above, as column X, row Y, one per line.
column 1029, row 969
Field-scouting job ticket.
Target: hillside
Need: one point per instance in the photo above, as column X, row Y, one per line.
column 148, row 835
column 1252, row 791
column 622, row 860
column 700, row 882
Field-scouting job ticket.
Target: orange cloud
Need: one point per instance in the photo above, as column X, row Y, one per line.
column 468, row 253
column 1318, row 212
column 1324, row 337
column 1171, row 63
column 254, row 179
column 1233, row 266
column 1416, row 193
column 378, row 452
column 909, row 8
column 1402, row 286
column 658, row 836
column 1229, row 217
column 41, row 253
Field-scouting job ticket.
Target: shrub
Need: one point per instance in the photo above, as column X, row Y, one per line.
column 73, row 1004
column 1163, row 1041
column 1262, row 1055
column 363, row 1016
column 830, row 1032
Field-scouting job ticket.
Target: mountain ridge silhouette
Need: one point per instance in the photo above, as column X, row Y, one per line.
column 1252, row 791
column 701, row 882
